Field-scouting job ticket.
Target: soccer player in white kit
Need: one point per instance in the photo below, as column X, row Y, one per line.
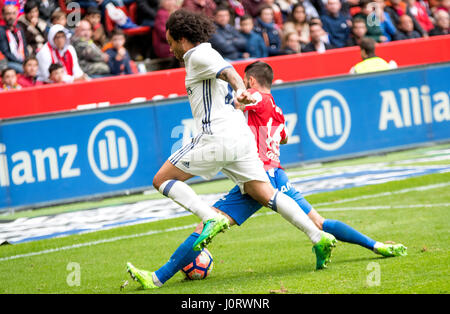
column 225, row 142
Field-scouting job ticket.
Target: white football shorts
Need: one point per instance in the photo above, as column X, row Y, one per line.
column 237, row 157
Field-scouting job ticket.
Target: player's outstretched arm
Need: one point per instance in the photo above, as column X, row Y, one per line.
column 232, row 77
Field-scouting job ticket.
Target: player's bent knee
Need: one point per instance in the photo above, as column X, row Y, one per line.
column 260, row 191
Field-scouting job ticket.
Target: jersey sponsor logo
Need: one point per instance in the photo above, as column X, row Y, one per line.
column 416, row 107
column 328, row 119
column 113, row 151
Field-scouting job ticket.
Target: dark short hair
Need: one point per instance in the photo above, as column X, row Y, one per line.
column 313, row 23
column 246, row 17
column 28, row 59
column 53, row 67
column 117, row 32
column 7, row 70
column 30, row 5
column 261, row 71
column 93, row 10
column 358, row 20
column 221, row 8
column 368, row 45
column 263, row 7
column 194, row 27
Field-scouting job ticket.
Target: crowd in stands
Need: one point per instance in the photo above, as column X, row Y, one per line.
column 60, row 41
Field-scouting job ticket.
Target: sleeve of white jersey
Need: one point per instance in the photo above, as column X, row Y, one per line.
column 208, row 64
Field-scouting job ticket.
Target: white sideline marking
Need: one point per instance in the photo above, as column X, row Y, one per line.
column 329, row 209
column 363, row 197
column 69, row 247
column 420, row 188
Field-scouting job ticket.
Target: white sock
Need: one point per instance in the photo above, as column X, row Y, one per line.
column 289, row 209
column 156, row 280
column 376, row 246
column 185, row 196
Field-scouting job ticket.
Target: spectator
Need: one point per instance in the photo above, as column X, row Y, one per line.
column 94, row 17
column 92, row 60
column 59, row 50
column 291, row 43
column 368, row 15
column 12, row 39
column 359, row 31
column 207, row 7
column 59, row 18
column 252, row 7
column 160, row 45
column 317, row 39
column 336, row 24
column 370, row 63
column 420, row 13
column 269, row 31
column 297, row 22
column 387, row 26
column 35, row 29
column 255, row 44
column 406, row 29
column 9, row 79
column 442, row 23
column 324, row 36
column 29, row 76
column 237, row 10
column 287, row 6
column 56, row 74
column 146, row 12
column 119, row 59
column 46, row 9
column 397, row 8
column 227, row 40
column 277, row 15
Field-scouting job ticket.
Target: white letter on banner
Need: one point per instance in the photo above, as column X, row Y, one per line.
column 389, row 111
column 441, row 110
column 22, row 172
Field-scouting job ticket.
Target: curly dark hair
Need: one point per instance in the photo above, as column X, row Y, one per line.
column 195, row 27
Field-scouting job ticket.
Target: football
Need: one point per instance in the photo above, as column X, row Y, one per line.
column 200, row 268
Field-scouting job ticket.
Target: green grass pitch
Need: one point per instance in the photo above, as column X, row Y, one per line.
column 264, row 255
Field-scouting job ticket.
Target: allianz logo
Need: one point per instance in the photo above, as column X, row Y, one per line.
column 413, row 106
column 112, row 154
column 328, row 119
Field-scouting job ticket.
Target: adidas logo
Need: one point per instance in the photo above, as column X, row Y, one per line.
column 185, row 163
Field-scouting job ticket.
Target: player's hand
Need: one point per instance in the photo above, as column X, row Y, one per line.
column 245, row 97
column 238, row 105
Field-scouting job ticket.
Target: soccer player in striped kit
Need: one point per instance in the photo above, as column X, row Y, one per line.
column 225, row 143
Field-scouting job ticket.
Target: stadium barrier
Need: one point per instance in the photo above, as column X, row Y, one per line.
column 141, row 87
column 115, row 150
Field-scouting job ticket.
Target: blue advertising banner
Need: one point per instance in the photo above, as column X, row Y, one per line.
column 77, row 155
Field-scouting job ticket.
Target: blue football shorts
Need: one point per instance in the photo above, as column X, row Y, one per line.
column 241, row 206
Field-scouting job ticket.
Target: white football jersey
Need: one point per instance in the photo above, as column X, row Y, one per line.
column 211, row 98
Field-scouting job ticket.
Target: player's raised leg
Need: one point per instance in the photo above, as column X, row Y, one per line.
column 266, row 195
column 339, row 229
column 170, row 182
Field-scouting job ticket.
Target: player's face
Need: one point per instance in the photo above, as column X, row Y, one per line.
column 175, row 47
column 246, row 82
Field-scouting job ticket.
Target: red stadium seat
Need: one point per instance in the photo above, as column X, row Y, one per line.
column 63, row 6
column 140, row 30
